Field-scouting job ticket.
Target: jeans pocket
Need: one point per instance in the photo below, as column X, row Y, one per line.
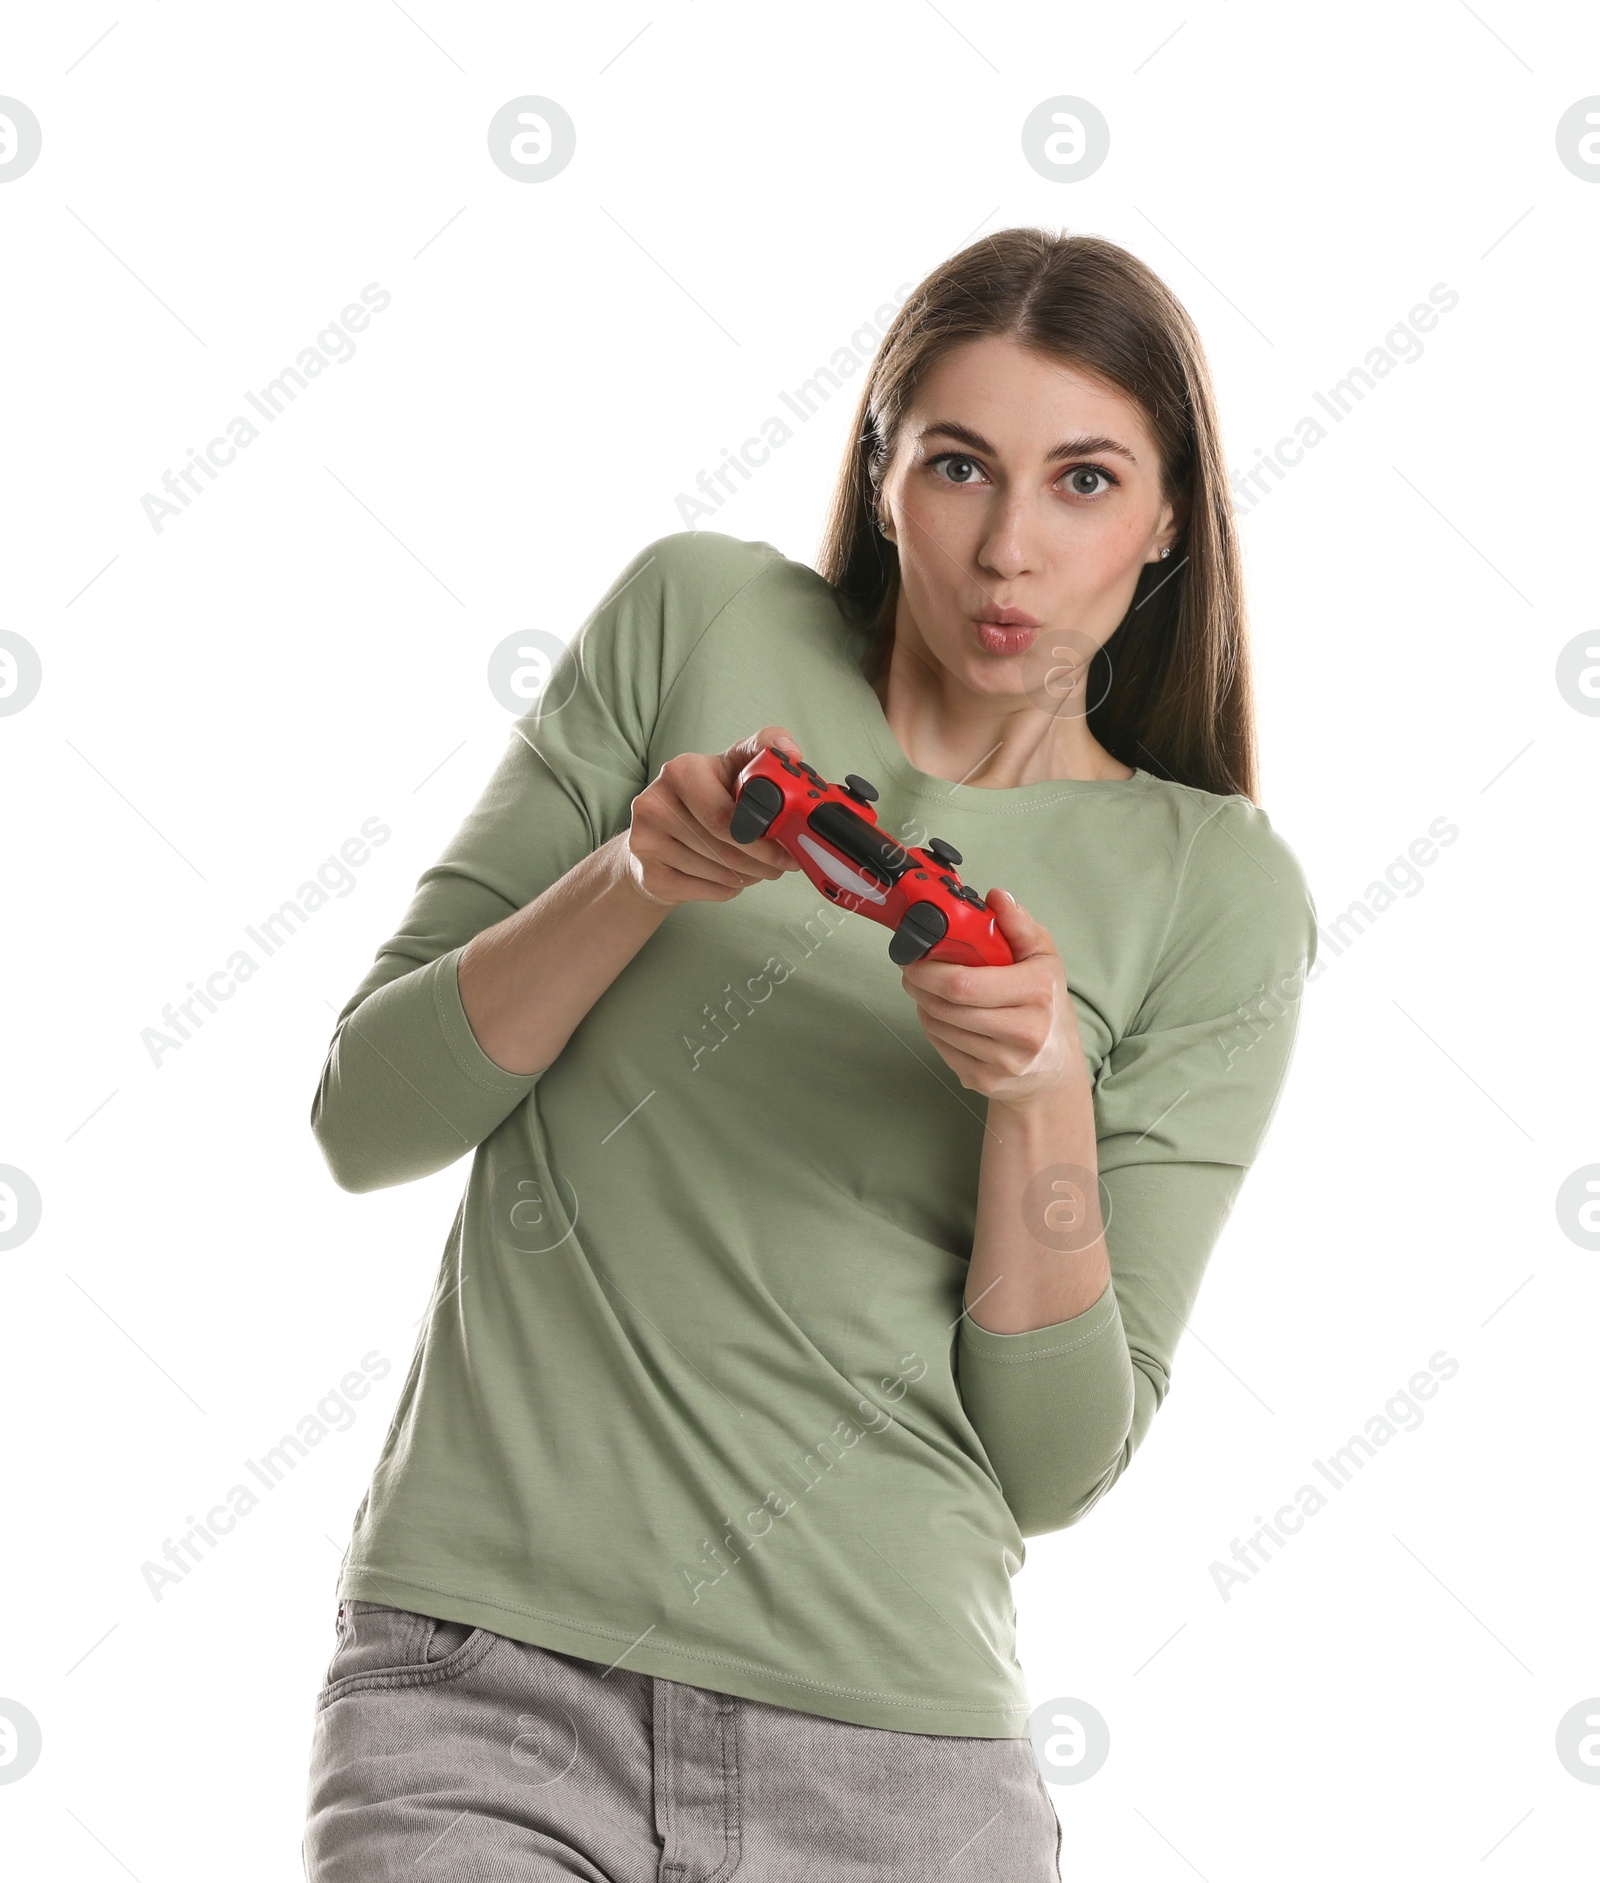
column 379, row 1646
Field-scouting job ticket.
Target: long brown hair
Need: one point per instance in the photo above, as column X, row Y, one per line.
column 1171, row 688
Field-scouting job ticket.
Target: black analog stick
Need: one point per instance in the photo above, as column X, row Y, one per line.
column 860, row 789
column 947, row 853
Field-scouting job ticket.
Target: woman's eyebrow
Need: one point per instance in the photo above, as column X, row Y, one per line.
column 1070, row 448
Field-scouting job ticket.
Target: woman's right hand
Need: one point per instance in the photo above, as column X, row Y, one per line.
column 677, row 847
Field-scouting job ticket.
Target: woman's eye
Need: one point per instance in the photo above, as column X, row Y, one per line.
column 959, row 470
column 1079, row 489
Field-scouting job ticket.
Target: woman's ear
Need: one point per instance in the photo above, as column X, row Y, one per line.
column 1174, row 521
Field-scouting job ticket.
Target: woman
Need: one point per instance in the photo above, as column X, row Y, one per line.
column 792, row 1290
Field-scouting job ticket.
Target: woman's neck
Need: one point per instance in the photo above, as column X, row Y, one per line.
column 991, row 742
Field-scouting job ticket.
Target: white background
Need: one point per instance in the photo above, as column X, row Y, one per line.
column 224, row 702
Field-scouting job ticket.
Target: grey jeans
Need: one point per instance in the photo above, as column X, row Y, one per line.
column 442, row 1751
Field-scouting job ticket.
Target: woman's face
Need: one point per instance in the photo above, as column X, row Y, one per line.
column 1019, row 488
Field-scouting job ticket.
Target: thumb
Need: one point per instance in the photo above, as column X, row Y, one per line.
column 1026, row 936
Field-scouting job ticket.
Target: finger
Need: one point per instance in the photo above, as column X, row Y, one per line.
column 737, row 756
column 667, row 853
column 980, row 1046
column 730, row 764
column 715, row 808
column 708, row 810
column 682, row 843
column 1012, row 1025
column 767, row 850
column 958, row 984
column 970, row 1070
column 977, row 1059
column 671, row 886
column 702, row 811
column 1025, row 936
column 741, row 753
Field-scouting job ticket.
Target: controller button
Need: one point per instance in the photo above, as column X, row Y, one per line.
column 923, row 926
column 755, row 811
column 947, row 853
column 860, row 789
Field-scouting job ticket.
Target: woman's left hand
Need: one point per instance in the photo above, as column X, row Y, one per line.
column 1010, row 1033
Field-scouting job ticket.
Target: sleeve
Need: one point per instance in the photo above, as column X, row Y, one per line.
column 406, row 1089
column 1182, row 1104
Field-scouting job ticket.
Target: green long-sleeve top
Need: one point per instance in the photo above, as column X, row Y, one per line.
column 696, row 1394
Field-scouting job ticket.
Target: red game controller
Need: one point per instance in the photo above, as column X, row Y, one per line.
column 832, row 832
